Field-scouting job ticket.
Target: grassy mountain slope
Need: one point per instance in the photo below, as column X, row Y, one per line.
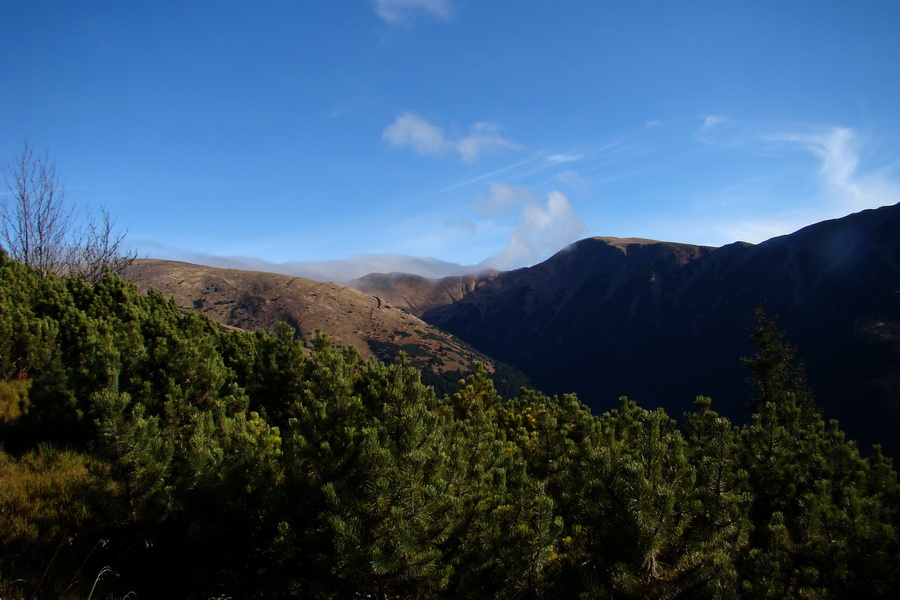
column 255, row 300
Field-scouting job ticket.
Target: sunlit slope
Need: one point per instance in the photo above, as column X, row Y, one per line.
column 254, row 300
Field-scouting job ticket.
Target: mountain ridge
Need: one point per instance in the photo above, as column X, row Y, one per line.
column 663, row 322
column 660, row 322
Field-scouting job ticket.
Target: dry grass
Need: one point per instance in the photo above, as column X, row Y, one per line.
column 252, row 300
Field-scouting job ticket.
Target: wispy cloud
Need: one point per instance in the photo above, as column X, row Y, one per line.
column 724, row 131
column 573, row 179
column 838, row 150
column 483, row 138
column 412, row 130
column 563, row 158
column 402, row 12
column 512, row 169
column 792, row 195
column 548, row 168
column 711, row 121
column 505, row 197
column 542, row 228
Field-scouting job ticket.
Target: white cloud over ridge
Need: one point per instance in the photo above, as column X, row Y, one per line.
column 542, row 228
column 337, row 271
column 412, row 130
column 397, row 12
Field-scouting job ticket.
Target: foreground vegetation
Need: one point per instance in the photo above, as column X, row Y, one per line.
column 148, row 454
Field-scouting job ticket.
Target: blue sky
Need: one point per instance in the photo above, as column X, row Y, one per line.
column 473, row 132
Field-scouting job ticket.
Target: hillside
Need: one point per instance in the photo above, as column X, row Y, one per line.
column 659, row 322
column 663, row 322
column 141, row 439
column 252, row 300
column 416, row 294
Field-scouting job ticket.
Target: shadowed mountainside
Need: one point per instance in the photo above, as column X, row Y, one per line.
column 663, row 322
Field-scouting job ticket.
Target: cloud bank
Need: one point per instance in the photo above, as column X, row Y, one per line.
column 413, row 131
column 400, row 12
column 337, row 271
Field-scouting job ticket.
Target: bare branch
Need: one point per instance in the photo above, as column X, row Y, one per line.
column 102, row 248
column 38, row 226
column 37, row 222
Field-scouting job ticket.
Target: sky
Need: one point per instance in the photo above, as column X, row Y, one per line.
column 333, row 138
